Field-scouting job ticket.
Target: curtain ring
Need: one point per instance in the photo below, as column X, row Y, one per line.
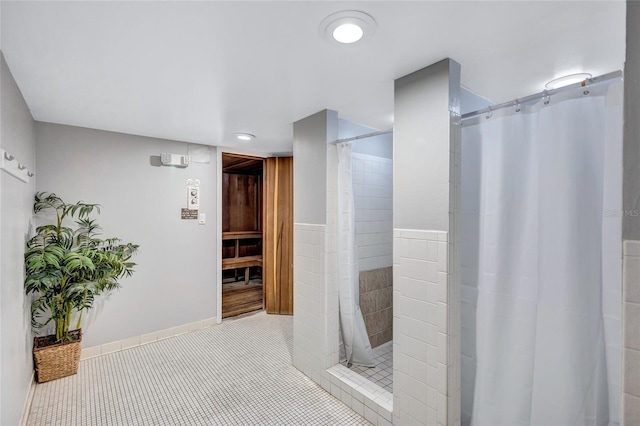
column 490, row 114
column 546, row 98
column 517, row 106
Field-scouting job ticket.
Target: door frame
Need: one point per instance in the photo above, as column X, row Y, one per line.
column 219, row 152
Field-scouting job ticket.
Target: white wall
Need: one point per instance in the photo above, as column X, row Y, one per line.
column 315, row 323
column 373, row 199
column 17, row 136
column 426, row 268
column 175, row 280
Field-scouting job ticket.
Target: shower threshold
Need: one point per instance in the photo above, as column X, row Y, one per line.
column 382, row 373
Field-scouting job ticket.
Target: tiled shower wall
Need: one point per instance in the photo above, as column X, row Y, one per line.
column 376, row 304
column 631, row 333
column 373, row 190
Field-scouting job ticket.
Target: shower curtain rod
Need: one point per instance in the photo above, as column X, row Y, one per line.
column 368, row 135
column 545, row 94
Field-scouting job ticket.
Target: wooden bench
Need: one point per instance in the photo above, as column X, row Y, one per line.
column 239, row 262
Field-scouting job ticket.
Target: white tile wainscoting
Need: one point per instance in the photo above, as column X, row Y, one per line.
column 426, row 335
column 631, row 333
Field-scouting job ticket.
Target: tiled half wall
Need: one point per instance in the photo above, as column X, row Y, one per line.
column 631, row 333
column 426, row 354
column 315, row 325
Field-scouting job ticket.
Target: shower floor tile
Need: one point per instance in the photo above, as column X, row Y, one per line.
column 237, row 373
column 382, row 373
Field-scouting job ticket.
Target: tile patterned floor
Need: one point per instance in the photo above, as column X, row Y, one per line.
column 382, row 373
column 236, row 373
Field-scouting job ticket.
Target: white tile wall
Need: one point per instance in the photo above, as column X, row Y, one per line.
column 315, row 322
column 309, row 328
column 426, row 365
column 373, row 191
column 631, row 333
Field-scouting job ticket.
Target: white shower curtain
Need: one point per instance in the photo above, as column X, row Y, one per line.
column 355, row 341
column 541, row 262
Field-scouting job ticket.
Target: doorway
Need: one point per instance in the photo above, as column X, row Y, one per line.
column 257, row 234
column 242, row 234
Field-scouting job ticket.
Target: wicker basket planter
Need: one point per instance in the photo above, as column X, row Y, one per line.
column 54, row 361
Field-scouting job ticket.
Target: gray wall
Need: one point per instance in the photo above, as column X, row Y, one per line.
column 310, row 138
column 421, row 138
column 18, row 138
column 631, row 186
column 378, row 146
column 175, row 280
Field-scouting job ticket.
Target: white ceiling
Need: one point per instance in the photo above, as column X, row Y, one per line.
column 199, row 71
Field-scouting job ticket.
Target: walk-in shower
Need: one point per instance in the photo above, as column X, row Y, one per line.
column 370, row 179
column 541, row 259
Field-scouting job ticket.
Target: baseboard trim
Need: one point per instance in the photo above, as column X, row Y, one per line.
column 132, row 342
column 29, row 400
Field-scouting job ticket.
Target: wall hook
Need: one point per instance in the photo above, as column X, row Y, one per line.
column 9, row 156
column 21, row 167
column 30, row 174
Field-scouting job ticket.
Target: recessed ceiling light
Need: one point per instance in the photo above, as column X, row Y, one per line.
column 567, row 80
column 347, row 27
column 244, row 136
column 347, row 33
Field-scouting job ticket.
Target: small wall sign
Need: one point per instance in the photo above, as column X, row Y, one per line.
column 189, row 214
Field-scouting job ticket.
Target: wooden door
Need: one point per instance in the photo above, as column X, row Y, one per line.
column 278, row 235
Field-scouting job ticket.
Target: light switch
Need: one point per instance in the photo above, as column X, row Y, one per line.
column 202, row 219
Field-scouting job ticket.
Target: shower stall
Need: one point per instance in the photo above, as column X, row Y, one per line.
column 540, row 245
column 365, row 241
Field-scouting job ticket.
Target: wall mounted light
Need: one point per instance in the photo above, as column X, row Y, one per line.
column 567, row 80
column 175, row 160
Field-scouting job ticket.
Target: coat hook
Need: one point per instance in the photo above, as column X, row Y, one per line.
column 30, row 174
column 8, row 156
column 21, row 167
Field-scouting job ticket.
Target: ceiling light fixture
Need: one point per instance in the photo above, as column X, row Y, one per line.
column 348, row 33
column 245, row 137
column 567, row 80
column 347, row 27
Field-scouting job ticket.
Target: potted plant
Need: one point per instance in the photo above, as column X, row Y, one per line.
column 65, row 269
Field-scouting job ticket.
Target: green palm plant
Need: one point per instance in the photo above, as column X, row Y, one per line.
column 67, row 267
